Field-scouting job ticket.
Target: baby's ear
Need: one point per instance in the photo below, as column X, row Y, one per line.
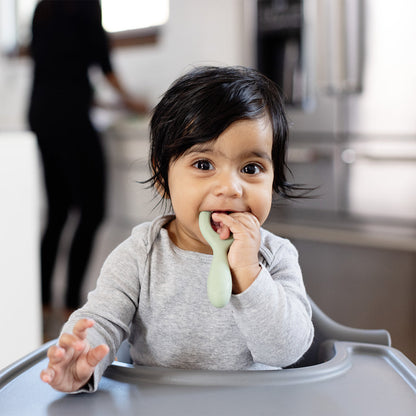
column 162, row 191
column 159, row 183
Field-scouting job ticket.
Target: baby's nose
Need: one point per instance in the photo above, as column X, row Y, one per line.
column 228, row 185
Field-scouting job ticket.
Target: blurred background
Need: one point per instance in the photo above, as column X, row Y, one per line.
column 348, row 72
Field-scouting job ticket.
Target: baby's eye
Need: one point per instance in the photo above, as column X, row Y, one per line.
column 252, row 169
column 203, row 165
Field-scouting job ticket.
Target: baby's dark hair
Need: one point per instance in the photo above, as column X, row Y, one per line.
column 201, row 104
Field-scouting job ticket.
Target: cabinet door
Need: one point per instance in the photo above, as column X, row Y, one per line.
column 364, row 288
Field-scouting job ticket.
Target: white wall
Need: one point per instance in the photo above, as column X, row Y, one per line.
column 20, row 303
column 198, row 32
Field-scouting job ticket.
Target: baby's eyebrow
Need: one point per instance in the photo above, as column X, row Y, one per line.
column 204, row 148
column 199, row 148
column 254, row 153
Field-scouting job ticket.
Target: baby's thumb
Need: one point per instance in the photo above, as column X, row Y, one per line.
column 97, row 354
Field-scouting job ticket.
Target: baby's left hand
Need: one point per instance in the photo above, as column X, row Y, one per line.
column 243, row 253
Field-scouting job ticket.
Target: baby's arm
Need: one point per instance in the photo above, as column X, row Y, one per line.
column 271, row 307
column 274, row 313
column 73, row 360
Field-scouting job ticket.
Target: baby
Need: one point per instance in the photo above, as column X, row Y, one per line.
column 218, row 143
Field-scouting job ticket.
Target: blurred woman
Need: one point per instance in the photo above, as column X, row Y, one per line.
column 67, row 39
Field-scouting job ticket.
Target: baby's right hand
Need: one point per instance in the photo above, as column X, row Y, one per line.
column 72, row 361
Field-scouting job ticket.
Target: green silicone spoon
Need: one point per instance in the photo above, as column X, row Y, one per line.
column 219, row 282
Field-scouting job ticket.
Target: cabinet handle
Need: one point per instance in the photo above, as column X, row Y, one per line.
column 342, row 40
column 349, row 156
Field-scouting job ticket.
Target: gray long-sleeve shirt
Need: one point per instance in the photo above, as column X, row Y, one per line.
column 154, row 293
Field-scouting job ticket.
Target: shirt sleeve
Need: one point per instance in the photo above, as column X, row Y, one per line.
column 274, row 314
column 111, row 305
column 99, row 41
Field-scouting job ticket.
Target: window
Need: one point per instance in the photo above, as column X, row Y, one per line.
column 127, row 21
column 132, row 22
column 127, row 15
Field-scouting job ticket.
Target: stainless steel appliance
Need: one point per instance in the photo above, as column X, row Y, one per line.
column 348, row 71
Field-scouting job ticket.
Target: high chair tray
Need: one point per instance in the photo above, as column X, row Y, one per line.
column 359, row 379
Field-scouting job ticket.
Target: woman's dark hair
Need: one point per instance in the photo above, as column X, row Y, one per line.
column 201, row 104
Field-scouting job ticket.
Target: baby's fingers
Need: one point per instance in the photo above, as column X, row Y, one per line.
column 47, row 375
column 76, row 340
column 80, row 328
column 56, row 354
column 70, row 343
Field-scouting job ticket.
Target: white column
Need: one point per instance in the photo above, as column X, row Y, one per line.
column 20, row 299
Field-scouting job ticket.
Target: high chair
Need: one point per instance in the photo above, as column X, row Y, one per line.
column 347, row 371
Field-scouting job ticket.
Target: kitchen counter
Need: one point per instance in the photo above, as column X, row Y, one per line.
column 330, row 227
column 360, row 270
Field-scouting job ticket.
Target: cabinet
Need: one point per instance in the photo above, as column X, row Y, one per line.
column 130, row 201
column 358, row 282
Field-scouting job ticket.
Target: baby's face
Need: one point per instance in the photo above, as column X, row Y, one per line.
column 231, row 174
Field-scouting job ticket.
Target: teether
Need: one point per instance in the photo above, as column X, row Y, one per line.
column 219, row 282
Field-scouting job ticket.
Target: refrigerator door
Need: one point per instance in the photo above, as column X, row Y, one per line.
column 387, row 103
column 359, row 63
column 359, row 89
column 332, row 58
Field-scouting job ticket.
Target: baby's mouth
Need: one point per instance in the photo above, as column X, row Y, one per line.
column 217, row 225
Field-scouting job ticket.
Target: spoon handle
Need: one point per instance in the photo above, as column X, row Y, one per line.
column 219, row 283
